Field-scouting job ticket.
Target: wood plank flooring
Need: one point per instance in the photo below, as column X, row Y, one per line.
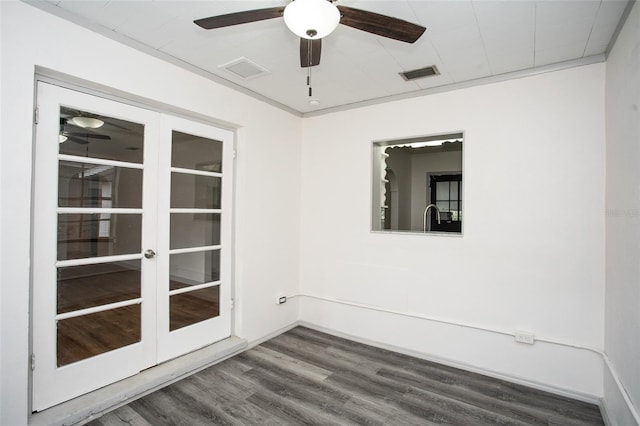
column 304, row 377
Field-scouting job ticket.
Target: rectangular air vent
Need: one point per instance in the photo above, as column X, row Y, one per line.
column 244, row 68
column 420, row 73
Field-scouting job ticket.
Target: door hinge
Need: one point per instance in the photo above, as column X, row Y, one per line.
column 36, row 115
column 235, row 153
column 33, row 362
column 231, row 304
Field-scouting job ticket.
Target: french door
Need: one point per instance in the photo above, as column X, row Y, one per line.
column 131, row 241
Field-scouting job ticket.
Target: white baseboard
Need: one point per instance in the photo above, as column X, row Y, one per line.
column 269, row 336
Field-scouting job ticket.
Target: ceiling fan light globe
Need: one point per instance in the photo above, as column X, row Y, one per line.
column 86, row 122
column 311, row 19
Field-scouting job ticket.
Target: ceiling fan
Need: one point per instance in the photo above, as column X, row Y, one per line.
column 81, row 138
column 312, row 20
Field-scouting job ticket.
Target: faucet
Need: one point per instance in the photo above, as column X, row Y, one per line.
column 426, row 210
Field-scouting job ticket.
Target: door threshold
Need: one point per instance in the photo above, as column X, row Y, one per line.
column 94, row 404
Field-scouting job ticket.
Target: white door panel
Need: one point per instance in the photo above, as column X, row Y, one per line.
column 198, row 160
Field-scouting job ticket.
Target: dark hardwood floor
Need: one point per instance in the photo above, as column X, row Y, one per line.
column 305, row 377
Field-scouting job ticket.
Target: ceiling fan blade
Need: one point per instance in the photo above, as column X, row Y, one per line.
column 117, row 126
column 237, row 18
column 310, row 52
column 78, row 140
column 385, row 26
column 87, row 135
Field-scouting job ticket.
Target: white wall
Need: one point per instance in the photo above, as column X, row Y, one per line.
column 534, row 148
column 267, row 208
column 622, row 314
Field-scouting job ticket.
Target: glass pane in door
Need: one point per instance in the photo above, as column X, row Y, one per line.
column 98, row 234
column 194, row 230
column 81, row 287
column 201, row 192
column 195, row 152
column 83, row 135
column 98, row 303
column 89, row 335
column 188, row 269
column 193, row 307
column 92, row 185
column 196, row 186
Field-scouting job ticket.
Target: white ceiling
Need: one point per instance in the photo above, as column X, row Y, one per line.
column 466, row 40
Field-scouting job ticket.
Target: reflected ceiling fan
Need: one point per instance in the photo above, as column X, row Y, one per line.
column 312, row 20
column 81, row 138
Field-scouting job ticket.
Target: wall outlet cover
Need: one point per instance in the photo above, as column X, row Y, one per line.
column 525, row 337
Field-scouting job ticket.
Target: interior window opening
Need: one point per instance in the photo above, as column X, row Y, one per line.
column 417, row 184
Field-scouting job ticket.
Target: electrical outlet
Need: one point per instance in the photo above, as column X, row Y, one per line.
column 525, row 337
column 281, row 300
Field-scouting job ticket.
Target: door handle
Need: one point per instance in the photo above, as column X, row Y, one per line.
column 149, row 254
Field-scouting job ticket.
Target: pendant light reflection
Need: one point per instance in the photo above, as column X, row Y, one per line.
column 86, row 122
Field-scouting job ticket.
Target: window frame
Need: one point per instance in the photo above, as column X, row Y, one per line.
column 445, row 225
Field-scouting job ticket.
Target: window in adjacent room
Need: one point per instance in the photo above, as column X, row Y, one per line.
column 446, row 193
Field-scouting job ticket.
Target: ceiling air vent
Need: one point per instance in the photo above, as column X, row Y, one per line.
column 245, row 69
column 420, row 73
